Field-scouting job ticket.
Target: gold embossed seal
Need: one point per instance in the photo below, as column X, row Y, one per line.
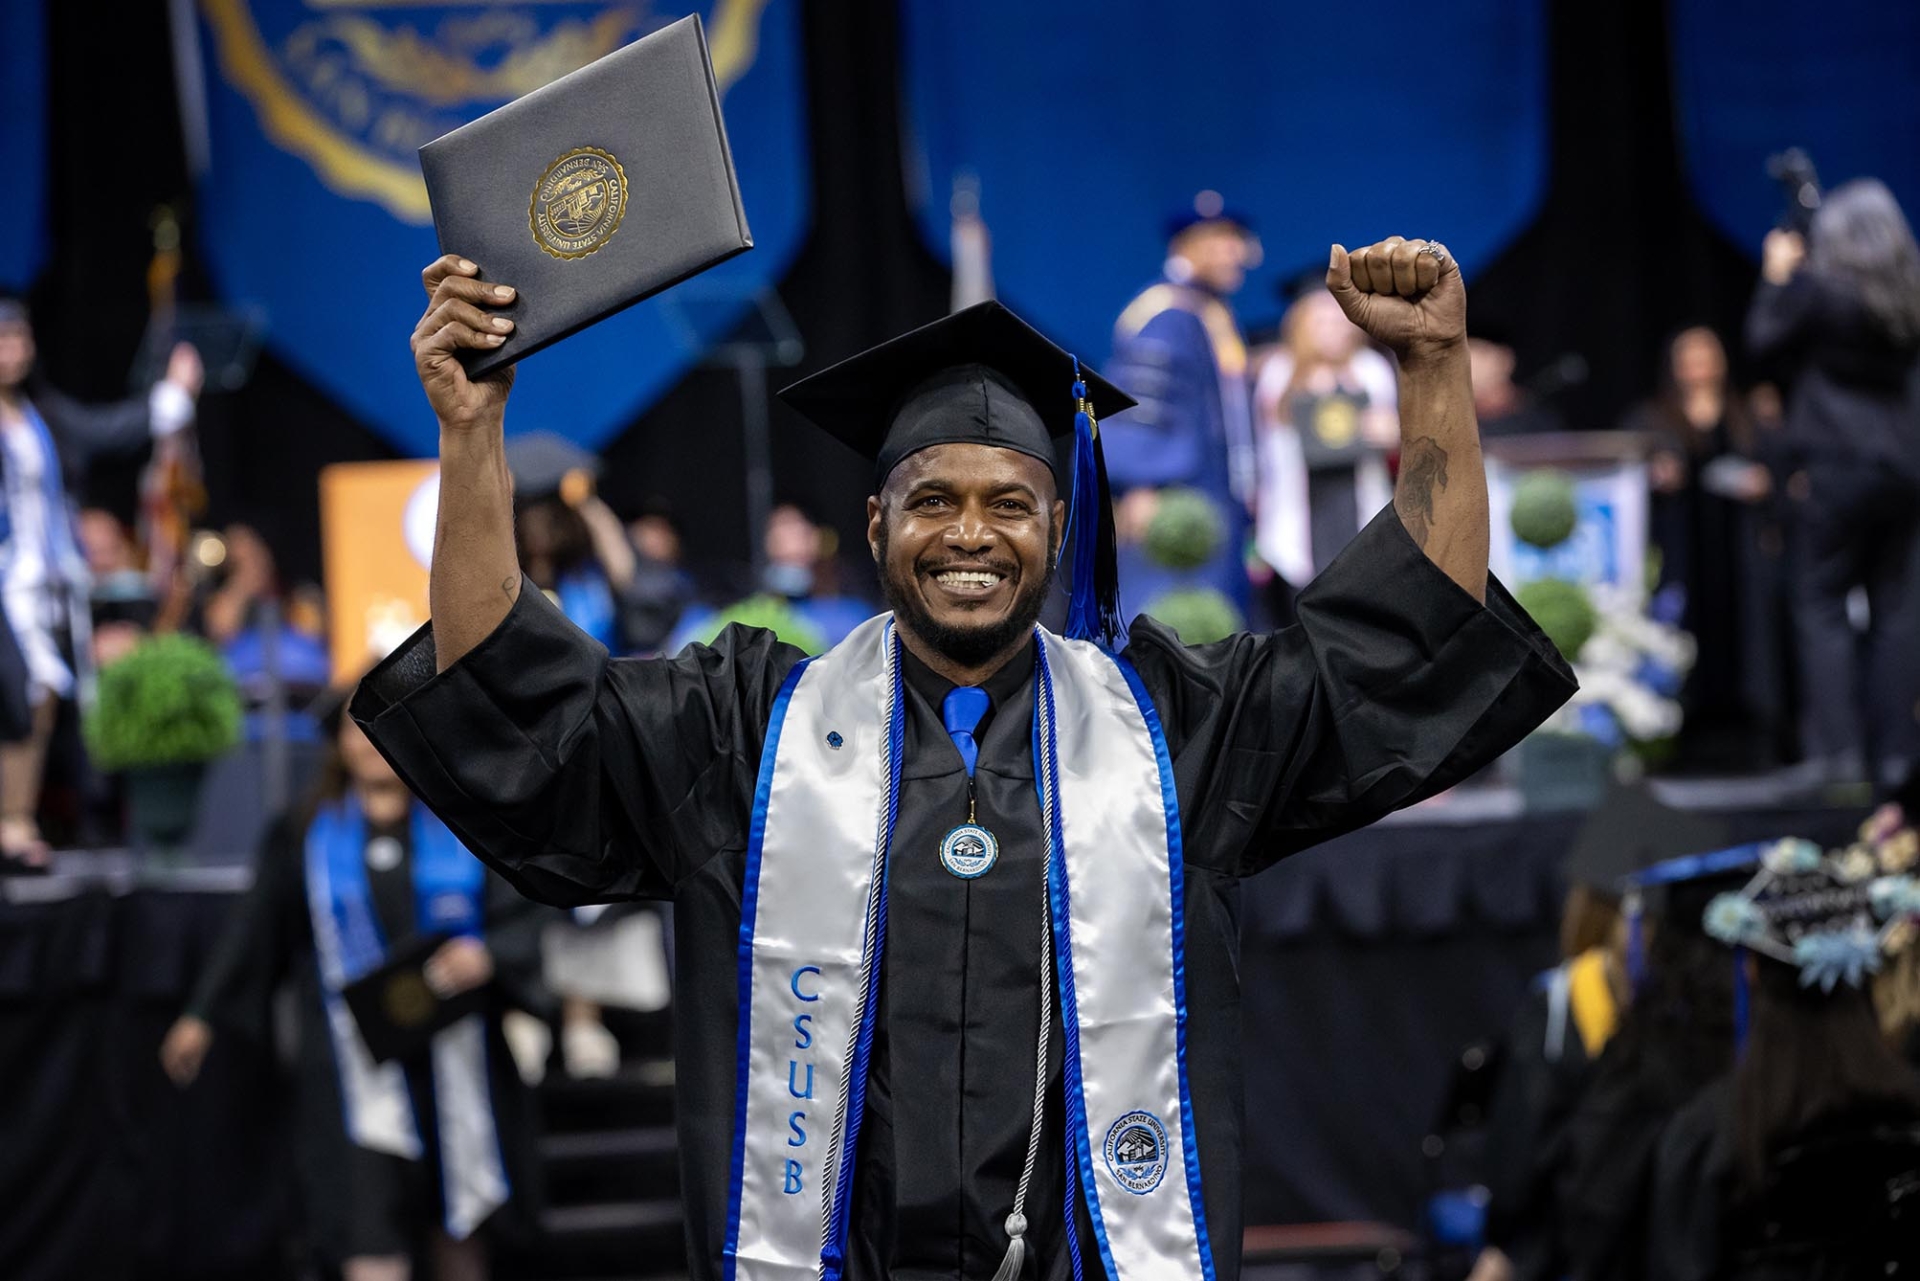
column 408, row 1001
column 578, row 203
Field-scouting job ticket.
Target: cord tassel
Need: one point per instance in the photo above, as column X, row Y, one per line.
column 1016, row 1249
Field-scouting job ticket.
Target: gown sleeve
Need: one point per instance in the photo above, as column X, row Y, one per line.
column 256, row 944
column 579, row 778
column 1394, row 685
column 1162, row 440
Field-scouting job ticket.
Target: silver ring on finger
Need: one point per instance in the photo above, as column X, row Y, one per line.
column 1434, row 249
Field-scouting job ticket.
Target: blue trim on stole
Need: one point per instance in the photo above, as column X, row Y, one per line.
column 833, row 1251
column 749, row 901
column 1079, row 1149
column 1176, row 867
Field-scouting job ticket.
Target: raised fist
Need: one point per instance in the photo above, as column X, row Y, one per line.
column 459, row 314
column 1406, row 294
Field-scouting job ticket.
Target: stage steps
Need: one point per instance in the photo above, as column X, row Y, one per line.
column 612, row 1179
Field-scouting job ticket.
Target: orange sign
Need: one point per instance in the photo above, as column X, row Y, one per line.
column 376, row 531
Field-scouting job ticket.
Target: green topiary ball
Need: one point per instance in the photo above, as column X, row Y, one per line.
column 772, row 613
column 1186, row 530
column 171, row 701
column 1198, row 615
column 1544, row 512
column 1563, row 611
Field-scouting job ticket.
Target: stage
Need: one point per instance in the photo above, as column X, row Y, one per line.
column 1367, row 965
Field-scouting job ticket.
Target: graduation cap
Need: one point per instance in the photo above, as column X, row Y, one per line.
column 544, row 465
column 1208, row 206
column 1629, row 831
column 983, row 376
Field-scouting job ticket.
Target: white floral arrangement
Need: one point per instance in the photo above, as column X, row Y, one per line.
column 1631, row 670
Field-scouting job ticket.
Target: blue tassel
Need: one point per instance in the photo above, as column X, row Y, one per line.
column 1636, row 945
column 1093, row 598
column 1740, row 1014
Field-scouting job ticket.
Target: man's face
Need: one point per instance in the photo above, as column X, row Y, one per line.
column 16, row 353
column 1219, row 254
column 965, row 537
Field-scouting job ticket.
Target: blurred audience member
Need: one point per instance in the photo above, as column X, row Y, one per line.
column 1842, row 316
column 803, row 568
column 573, row 548
column 1803, row 1161
column 257, row 627
column 427, row 1153
column 1708, row 479
column 1676, row 1038
column 802, row 575
column 1566, row 1022
column 1178, row 350
column 1503, row 406
column 1327, row 416
column 46, row 442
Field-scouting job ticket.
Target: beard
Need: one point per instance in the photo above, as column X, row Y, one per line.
column 964, row 644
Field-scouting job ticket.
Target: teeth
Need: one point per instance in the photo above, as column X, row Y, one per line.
column 967, row 578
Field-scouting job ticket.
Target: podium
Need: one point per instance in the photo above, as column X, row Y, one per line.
column 1609, row 540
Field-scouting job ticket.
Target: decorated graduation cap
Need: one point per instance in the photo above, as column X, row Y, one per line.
column 1834, row 917
column 983, row 376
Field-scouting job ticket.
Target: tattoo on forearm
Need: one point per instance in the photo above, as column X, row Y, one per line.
column 1423, row 470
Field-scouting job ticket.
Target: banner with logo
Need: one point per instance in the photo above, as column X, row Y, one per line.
column 23, row 141
column 312, row 206
column 1753, row 77
column 1084, row 124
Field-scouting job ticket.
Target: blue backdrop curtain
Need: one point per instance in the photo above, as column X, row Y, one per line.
column 23, row 141
column 1088, row 122
column 1751, row 77
column 313, row 207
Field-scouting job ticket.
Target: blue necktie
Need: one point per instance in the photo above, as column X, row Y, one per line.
column 962, row 710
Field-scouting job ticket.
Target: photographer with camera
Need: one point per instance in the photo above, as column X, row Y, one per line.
column 1839, row 310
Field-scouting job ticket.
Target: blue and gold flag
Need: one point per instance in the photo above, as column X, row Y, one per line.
column 312, row 205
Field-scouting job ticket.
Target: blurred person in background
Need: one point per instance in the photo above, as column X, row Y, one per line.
column 662, row 589
column 1801, row 1162
column 266, row 635
column 1675, row 1038
column 573, row 547
column 803, row 572
column 1503, row 406
column 1327, row 417
column 46, row 442
column 1178, row 350
column 427, row 1153
column 1841, row 316
column 1709, row 485
column 1565, row 1023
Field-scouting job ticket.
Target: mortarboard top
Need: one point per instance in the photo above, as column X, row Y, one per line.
column 1630, row 831
column 541, row 462
column 1206, row 207
column 980, row 376
column 984, row 376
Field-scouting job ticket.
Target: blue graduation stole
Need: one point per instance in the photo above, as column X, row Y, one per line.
column 813, row 929
column 449, row 887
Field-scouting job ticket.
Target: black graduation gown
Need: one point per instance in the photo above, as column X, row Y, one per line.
column 1822, row 1219
column 584, row 779
column 1527, row 1118
column 357, row 1201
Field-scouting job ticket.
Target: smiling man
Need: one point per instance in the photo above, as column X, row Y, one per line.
column 956, row 903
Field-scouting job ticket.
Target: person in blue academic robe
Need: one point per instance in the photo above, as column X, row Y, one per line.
column 1178, row 351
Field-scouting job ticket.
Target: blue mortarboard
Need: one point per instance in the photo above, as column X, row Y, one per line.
column 1208, row 206
column 984, row 376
